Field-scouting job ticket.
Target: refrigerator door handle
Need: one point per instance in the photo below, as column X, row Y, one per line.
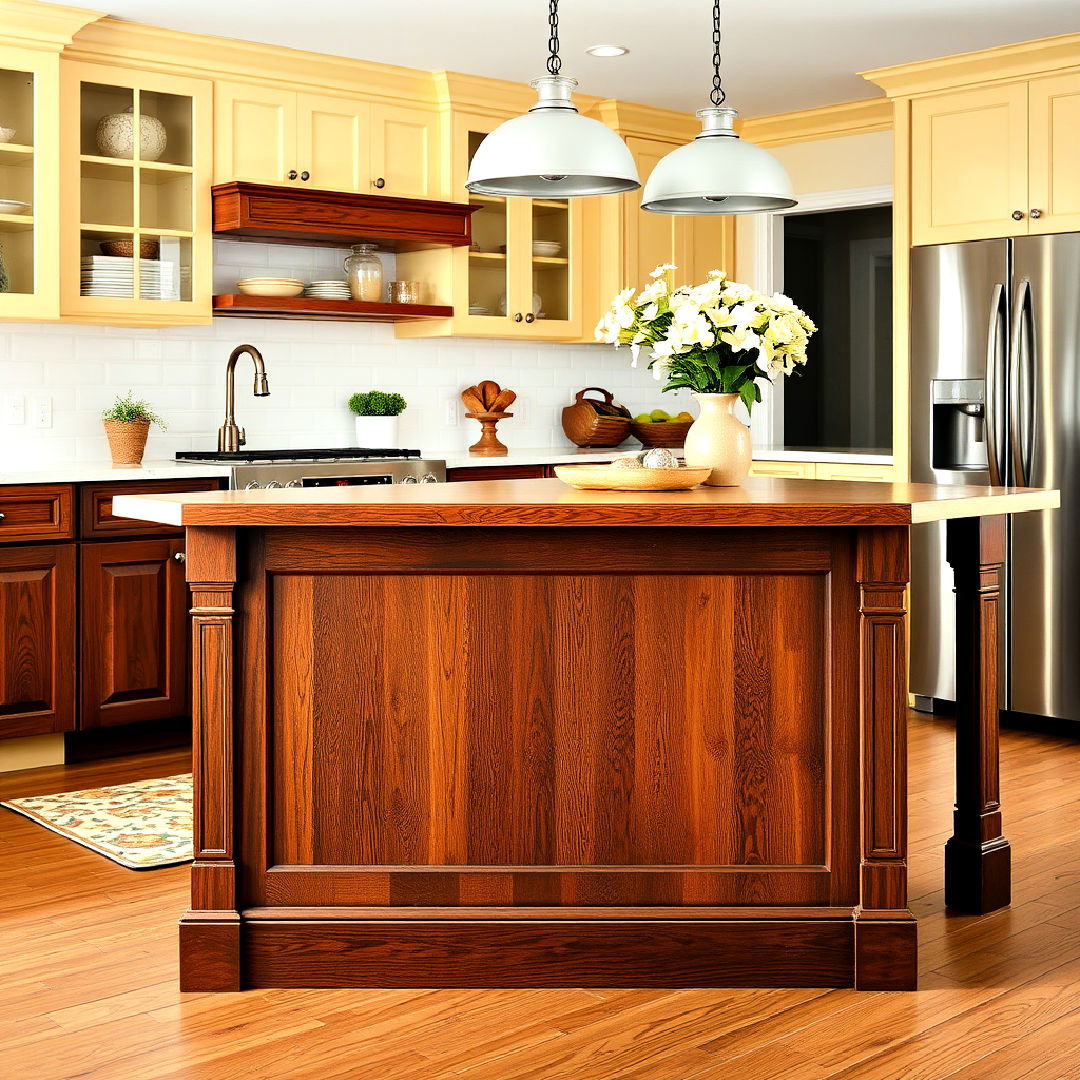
column 1026, row 336
column 995, row 348
column 1017, row 360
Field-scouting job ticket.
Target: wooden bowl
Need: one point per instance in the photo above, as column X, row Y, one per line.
column 665, row 433
column 125, row 249
column 608, row 478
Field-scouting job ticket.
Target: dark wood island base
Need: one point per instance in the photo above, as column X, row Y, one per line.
column 516, row 736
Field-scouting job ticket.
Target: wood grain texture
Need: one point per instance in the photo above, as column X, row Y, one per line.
column 98, row 522
column 977, row 856
column 36, row 512
column 133, row 628
column 760, row 501
column 37, row 639
column 315, row 309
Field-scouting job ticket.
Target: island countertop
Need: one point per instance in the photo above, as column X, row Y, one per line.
column 759, row 501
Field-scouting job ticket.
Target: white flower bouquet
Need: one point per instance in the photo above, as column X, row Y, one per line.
column 719, row 337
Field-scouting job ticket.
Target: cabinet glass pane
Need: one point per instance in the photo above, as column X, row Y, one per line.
column 164, row 200
column 17, row 181
column 550, row 258
column 167, row 277
column 105, row 128
column 107, row 272
column 166, row 117
column 488, row 278
column 108, row 194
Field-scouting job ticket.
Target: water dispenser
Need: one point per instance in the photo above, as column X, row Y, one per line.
column 958, row 424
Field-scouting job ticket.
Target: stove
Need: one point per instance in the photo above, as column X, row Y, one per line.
column 346, row 467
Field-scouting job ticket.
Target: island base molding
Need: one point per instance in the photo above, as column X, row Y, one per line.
column 417, row 949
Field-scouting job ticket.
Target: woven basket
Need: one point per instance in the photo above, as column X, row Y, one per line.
column 127, row 441
column 671, row 433
column 589, row 422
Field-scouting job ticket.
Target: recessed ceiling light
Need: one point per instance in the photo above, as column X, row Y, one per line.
column 607, row 50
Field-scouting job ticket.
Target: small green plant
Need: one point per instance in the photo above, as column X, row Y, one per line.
column 377, row 403
column 126, row 410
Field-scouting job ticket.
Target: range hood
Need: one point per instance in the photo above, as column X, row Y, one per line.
column 289, row 215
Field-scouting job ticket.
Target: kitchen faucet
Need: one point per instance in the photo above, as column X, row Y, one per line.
column 230, row 437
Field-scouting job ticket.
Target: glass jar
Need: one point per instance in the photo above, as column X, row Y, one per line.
column 363, row 268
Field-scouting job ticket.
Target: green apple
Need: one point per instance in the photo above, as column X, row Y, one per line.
column 685, row 418
column 642, row 418
column 659, row 416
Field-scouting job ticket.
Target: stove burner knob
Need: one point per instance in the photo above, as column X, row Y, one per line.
column 430, row 478
column 293, row 483
column 252, row 486
column 409, row 480
column 273, row 483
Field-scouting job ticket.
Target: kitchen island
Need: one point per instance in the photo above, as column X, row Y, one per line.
column 512, row 734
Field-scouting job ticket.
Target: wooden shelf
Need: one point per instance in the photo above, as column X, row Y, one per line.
column 128, row 163
column 487, row 257
column 542, row 262
column 307, row 307
column 16, row 222
column 16, row 154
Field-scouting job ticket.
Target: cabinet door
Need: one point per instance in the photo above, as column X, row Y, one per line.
column 332, row 137
column 787, row 470
column 37, row 639
column 832, row 470
column 712, row 246
column 969, row 165
column 254, row 133
column 1055, row 153
column 133, row 628
column 652, row 239
column 404, row 152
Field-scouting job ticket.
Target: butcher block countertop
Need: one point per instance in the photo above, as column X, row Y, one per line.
column 759, row 501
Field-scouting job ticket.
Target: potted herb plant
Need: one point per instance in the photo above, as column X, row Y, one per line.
column 377, row 415
column 127, row 423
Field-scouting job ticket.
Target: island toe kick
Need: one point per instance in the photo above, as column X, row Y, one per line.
column 515, row 755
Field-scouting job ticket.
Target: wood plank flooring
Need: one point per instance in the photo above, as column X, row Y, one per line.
column 88, row 975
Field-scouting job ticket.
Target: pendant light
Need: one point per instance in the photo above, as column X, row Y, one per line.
column 552, row 151
column 717, row 173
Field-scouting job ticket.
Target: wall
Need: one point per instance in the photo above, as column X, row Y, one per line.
column 313, row 368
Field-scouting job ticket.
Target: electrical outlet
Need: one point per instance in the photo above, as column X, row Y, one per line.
column 40, row 411
column 13, row 410
column 451, row 412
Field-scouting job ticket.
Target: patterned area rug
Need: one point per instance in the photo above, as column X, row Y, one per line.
column 142, row 825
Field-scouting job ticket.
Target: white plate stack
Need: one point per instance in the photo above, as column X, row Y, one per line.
column 328, row 290
column 114, row 276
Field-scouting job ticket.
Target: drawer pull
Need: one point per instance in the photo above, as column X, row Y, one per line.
column 180, row 557
column 2, row 516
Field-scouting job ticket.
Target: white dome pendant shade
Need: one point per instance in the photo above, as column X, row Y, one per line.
column 717, row 173
column 552, row 151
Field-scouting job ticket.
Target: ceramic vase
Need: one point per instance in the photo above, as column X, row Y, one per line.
column 116, row 135
column 377, row 432
column 719, row 440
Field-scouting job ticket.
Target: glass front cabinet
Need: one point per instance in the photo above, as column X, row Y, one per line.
column 29, row 190
column 136, row 244
column 521, row 278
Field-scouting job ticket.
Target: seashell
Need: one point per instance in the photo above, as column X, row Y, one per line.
column 627, row 461
column 659, row 457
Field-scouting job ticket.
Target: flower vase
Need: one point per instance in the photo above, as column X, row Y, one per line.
column 717, row 439
column 377, row 432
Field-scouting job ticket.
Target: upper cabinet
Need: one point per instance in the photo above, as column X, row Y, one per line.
column 135, row 218
column 989, row 141
column 326, row 141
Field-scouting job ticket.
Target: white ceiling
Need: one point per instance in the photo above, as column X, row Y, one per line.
column 779, row 54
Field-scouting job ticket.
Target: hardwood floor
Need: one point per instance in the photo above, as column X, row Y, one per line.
column 88, row 975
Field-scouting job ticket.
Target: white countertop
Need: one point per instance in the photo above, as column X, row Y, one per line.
column 558, row 455
column 70, row 472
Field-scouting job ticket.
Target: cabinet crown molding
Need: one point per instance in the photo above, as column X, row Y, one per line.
column 827, row 122
column 645, row 121
column 1005, row 62
column 46, row 27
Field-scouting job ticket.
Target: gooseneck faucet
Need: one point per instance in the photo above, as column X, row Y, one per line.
column 230, row 437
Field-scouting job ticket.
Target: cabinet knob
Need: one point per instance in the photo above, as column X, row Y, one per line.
column 1036, row 213
column 1018, row 215
column 380, row 183
column 180, row 557
column 517, row 316
column 530, row 317
column 305, row 175
column 2, row 516
column 292, row 174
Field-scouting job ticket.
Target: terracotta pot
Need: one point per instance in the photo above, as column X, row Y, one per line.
column 719, row 440
column 127, row 441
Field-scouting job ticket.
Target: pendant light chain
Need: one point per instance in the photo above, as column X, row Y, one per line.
column 554, row 64
column 718, row 95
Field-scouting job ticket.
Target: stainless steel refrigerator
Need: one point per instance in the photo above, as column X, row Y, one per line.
column 995, row 398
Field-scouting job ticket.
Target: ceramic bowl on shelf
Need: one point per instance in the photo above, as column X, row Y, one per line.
column 546, row 249
column 125, row 249
column 6, row 134
column 13, row 206
column 270, row 286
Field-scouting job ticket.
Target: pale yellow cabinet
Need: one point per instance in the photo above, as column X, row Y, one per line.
column 824, row 470
column 29, row 236
column 996, row 161
column 522, row 278
column 787, row 470
column 135, row 220
column 328, row 141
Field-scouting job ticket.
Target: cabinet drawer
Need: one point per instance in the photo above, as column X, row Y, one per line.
column 787, row 470
column 497, row 472
column 96, row 518
column 35, row 512
column 834, row 471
